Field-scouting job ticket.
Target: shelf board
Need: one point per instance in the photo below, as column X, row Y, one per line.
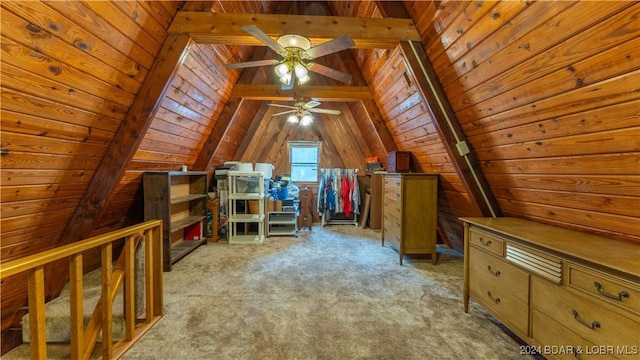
column 282, row 232
column 246, row 239
column 245, row 218
column 181, row 248
column 183, row 223
column 246, row 196
column 283, row 222
column 185, row 198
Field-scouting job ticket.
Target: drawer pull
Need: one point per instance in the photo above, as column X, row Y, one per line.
column 485, row 243
column 618, row 297
column 495, row 300
column 494, row 273
column 593, row 325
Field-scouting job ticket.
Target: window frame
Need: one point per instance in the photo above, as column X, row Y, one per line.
column 291, row 145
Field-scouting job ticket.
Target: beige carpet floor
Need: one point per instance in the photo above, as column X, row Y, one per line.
column 332, row 293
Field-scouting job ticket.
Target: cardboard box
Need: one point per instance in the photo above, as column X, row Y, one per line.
column 274, row 205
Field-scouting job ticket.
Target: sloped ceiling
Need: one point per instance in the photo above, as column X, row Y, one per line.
column 92, row 98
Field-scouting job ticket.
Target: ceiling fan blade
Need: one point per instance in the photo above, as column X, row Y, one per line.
column 329, row 72
column 264, row 38
column 251, row 64
column 331, row 46
column 325, row 111
column 285, row 112
column 284, row 106
column 311, row 104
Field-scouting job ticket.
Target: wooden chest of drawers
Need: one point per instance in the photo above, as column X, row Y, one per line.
column 410, row 211
column 569, row 295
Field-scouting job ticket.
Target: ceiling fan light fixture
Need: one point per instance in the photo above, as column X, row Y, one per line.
column 282, row 70
column 301, row 71
column 293, row 119
column 304, row 79
column 306, row 120
column 293, row 40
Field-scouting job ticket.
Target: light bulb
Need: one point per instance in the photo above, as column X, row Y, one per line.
column 292, row 119
column 301, row 71
column 302, row 80
column 282, row 70
column 306, row 120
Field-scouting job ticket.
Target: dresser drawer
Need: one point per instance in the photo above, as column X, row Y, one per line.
column 391, row 207
column 392, row 236
column 486, row 241
column 605, row 287
column 589, row 319
column 508, row 309
column 392, row 195
column 497, row 271
column 560, row 343
column 392, row 183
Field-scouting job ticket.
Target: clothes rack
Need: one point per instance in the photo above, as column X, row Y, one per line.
column 339, row 196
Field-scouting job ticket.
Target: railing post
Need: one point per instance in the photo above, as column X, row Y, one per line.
column 107, row 311
column 37, row 333
column 77, row 305
column 129, row 286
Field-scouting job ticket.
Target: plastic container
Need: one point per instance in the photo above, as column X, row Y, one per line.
column 246, row 167
column 265, row 169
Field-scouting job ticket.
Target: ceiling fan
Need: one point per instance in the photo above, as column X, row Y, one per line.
column 301, row 112
column 296, row 52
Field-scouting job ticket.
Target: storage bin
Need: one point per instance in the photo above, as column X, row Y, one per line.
column 247, row 184
column 254, row 206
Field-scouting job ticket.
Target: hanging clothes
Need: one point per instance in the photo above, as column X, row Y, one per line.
column 338, row 192
column 345, row 195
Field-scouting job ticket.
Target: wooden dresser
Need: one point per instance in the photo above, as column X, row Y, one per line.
column 567, row 294
column 375, row 212
column 410, row 213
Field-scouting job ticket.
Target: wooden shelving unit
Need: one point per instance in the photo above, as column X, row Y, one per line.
column 179, row 199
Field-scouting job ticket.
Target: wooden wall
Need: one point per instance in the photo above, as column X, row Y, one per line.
column 549, row 104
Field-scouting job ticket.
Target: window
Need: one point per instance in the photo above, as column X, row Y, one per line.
column 304, row 157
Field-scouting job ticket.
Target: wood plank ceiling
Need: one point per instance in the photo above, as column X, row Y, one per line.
column 96, row 93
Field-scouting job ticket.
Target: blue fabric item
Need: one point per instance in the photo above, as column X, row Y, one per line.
column 283, row 193
column 331, row 199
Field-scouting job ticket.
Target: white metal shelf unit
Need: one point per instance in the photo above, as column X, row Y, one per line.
column 282, row 223
column 245, row 187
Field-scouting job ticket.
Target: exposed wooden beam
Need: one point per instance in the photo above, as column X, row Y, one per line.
column 225, row 28
column 315, row 92
column 124, row 144
column 446, row 122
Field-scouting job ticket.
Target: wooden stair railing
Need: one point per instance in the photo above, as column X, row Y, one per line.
column 84, row 339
